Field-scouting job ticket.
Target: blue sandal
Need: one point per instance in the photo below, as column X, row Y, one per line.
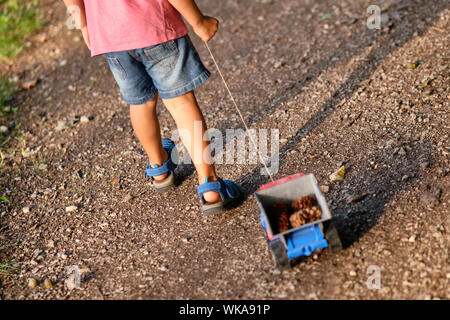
column 168, row 166
column 228, row 191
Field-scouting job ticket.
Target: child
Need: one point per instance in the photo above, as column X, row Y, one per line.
column 149, row 53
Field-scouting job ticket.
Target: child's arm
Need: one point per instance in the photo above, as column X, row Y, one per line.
column 80, row 19
column 205, row 27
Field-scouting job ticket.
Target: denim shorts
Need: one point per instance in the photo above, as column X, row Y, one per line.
column 171, row 69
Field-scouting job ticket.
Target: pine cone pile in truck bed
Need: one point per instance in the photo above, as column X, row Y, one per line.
column 301, row 211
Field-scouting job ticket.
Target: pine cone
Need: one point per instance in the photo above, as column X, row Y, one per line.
column 297, row 219
column 305, row 216
column 303, row 203
column 280, row 212
column 315, row 213
column 283, row 223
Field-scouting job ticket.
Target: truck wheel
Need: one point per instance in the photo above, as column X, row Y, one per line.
column 332, row 236
column 278, row 250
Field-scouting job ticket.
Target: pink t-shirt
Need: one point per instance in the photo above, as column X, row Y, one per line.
column 119, row 25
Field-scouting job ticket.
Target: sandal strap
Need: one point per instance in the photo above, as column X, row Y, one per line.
column 226, row 189
column 168, row 144
column 167, row 166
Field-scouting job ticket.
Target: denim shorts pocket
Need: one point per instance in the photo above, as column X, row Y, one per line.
column 116, row 67
column 165, row 54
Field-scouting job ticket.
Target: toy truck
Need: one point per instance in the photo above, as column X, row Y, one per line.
column 289, row 247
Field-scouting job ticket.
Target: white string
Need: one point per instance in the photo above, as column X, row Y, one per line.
column 239, row 112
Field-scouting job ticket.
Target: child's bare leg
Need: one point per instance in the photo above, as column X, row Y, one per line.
column 185, row 111
column 146, row 127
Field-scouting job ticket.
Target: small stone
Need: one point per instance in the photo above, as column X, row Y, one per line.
column 29, row 84
column 236, row 29
column 3, row 129
column 356, row 197
column 84, row 119
column 62, row 125
column 128, row 198
column 405, row 177
column 48, row 283
column 324, row 188
column 71, row 208
column 26, row 210
column 352, row 273
column 412, row 238
column 163, row 268
column 43, row 166
column 50, row 243
column 32, row 283
column 278, row 64
column 62, row 63
column 402, row 152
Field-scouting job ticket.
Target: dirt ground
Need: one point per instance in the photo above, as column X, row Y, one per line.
column 340, row 93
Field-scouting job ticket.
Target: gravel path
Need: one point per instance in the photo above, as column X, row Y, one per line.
column 338, row 92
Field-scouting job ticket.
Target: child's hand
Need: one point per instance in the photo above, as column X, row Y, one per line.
column 207, row 28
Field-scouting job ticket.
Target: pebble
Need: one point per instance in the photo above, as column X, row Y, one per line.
column 356, row 197
column 278, row 64
column 324, row 188
column 352, row 273
column 71, row 208
column 412, row 238
column 128, row 198
column 50, row 243
column 29, row 84
column 32, row 283
column 115, row 182
column 26, row 209
column 3, row 128
column 63, row 124
column 84, row 119
column 48, row 283
column 402, row 152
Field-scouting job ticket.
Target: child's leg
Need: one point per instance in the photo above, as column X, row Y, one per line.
column 146, row 127
column 185, row 111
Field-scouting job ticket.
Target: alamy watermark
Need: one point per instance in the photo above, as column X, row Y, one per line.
column 74, row 279
column 236, row 146
column 74, row 20
column 374, row 20
column 374, row 279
